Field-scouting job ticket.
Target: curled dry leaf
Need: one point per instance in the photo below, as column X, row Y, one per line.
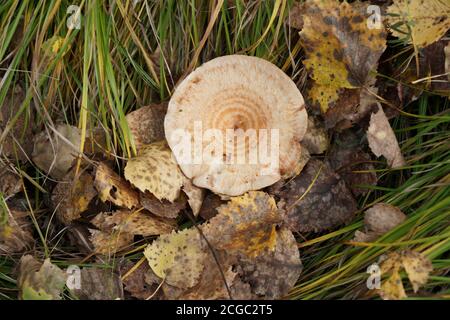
column 163, row 208
column 11, row 182
column 316, row 200
column 177, row 258
column 419, row 22
column 417, row 267
column 111, row 187
column 274, row 273
column 136, row 223
column 210, row 205
column 147, row 124
column 195, row 195
column 316, row 137
column 17, row 140
column 340, row 49
column 117, row 229
column 378, row 220
column 71, row 197
column 15, row 229
column 245, row 224
column 55, row 154
column 347, row 158
column 382, row 139
column 212, row 111
column 40, row 281
column 140, row 281
column 155, row 170
column 99, row 284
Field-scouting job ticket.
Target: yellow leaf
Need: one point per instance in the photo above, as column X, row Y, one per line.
column 417, row 267
column 177, row 257
column 422, row 22
column 111, row 187
column 155, row 170
column 245, row 224
column 340, row 48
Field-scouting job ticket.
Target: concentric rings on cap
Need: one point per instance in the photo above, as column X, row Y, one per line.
column 244, row 102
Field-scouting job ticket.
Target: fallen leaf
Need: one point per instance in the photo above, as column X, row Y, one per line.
column 295, row 16
column 177, row 258
column 447, row 60
column 195, row 195
column 245, row 224
column 55, row 155
column 11, row 182
column 432, row 68
column 210, row 205
column 382, row 140
column 135, row 223
column 99, row 284
column 139, row 281
column 340, row 49
column 40, row 281
column 155, row 170
column 163, row 208
column 419, row 22
column 347, row 158
column 15, row 229
column 109, row 243
column 71, row 196
column 316, row 204
column 147, row 124
column 17, row 140
column 316, row 137
column 417, row 267
column 274, row 273
column 111, row 187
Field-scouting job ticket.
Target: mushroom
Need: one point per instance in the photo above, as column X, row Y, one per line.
column 230, row 107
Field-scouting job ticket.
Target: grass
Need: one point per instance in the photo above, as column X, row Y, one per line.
column 125, row 56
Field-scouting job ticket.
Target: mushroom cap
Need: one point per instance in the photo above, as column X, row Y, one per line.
column 233, row 94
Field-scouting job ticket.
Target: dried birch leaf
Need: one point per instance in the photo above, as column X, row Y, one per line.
column 54, row 155
column 15, row 230
column 111, row 187
column 274, row 273
column 40, row 281
column 316, row 137
column 177, row 258
column 195, row 195
column 382, row 140
column 155, row 170
column 99, row 284
column 340, row 49
column 316, row 204
column 147, row 124
column 162, row 208
column 245, row 224
column 109, row 243
column 419, row 22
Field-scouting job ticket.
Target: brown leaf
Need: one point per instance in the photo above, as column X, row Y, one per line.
column 295, row 16
column 135, row 223
column 316, row 137
column 11, row 183
column 55, row 155
column 195, row 195
column 210, row 205
column 382, row 140
column 99, row 284
column 347, row 158
column 109, row 243
column 111, row 187
column 40, row 281
column 147, row 124
column 71, row 197
column 136, row 282
column 323, row 206
column 162, row 208
column 15, row 229
column 18, row 139
column 274, row 273
column 383, row 217
column 245, row 224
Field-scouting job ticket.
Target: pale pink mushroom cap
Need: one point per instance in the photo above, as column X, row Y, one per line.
column 236, row 92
